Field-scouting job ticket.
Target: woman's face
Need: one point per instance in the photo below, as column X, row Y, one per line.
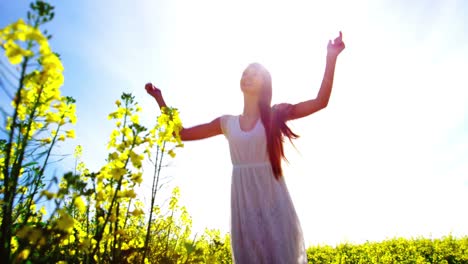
column 252, row 80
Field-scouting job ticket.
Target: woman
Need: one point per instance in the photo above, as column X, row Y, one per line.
column 264, row 224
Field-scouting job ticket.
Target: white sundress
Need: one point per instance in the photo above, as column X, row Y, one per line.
column 264, row 224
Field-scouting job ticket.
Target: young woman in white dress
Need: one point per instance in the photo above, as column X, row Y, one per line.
column 264, row 224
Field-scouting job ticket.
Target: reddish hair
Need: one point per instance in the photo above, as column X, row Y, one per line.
column 274, row 121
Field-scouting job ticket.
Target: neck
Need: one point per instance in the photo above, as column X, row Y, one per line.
column 251, row 109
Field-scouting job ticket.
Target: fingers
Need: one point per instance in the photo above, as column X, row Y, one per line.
column 150, row 88
column 339, row 39
column 337, row 45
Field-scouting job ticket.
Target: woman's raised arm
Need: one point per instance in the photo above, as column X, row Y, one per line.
column 202, row 131
column 321, row 101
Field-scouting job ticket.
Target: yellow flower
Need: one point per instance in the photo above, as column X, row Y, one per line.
column 24, row 254
column 80, row 204
column 171, row 153
column 14, row 52
column 136, row 159
column 47, row 194
column 135, row 119
column 113, row 138
column 70, row 133
column 37, row 36
column 86, row 244
column 137, row 212
column 137, row 177
column 127, row 132
column 65, row 222
column 125, row 246
column 117, row 173
column 43, row 211
column 78, row 151
column 100, row 196
column 72, row 119
column 46, row 140
column 113, row 156
column 22, row 189
column 14, row 243
column 130, row 194
column 52, row 118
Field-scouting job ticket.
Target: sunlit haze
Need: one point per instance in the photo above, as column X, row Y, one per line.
column 387, row 158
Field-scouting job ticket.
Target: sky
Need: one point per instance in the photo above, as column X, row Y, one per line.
column 387, row 158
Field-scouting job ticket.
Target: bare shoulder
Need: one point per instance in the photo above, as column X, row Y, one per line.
column 281, row 107
column 283, row 110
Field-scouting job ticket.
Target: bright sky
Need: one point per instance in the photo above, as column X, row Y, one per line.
column 388, row 157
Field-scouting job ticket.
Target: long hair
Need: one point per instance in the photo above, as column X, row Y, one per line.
column 274, row 122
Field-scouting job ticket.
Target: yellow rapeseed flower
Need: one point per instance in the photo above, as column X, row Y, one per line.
column 70, row 133
column 47, row 194
column 43, row 211
column 130, row 193
column 15, row 53
column 137, row 177
column 127, row 132
column 24, row 254
column 137, row 212
column 65, row 222
column 78, row 151
column 136, row 159
column 117, row 173
column 52, row 117
column 80, row 205
column 135, row 119
column 171, row 153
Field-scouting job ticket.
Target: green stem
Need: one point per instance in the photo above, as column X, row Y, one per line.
column 116, row 228
column 38, row 178
column 100, row 231
column 154, row 190
column 10, row 183
column 169, row 232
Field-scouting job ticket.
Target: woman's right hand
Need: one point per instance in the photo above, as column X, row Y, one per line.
column 153, row 90
column 334, row 49
column 156, row 93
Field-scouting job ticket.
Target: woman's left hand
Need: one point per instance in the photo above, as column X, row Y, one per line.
column 335, row 48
